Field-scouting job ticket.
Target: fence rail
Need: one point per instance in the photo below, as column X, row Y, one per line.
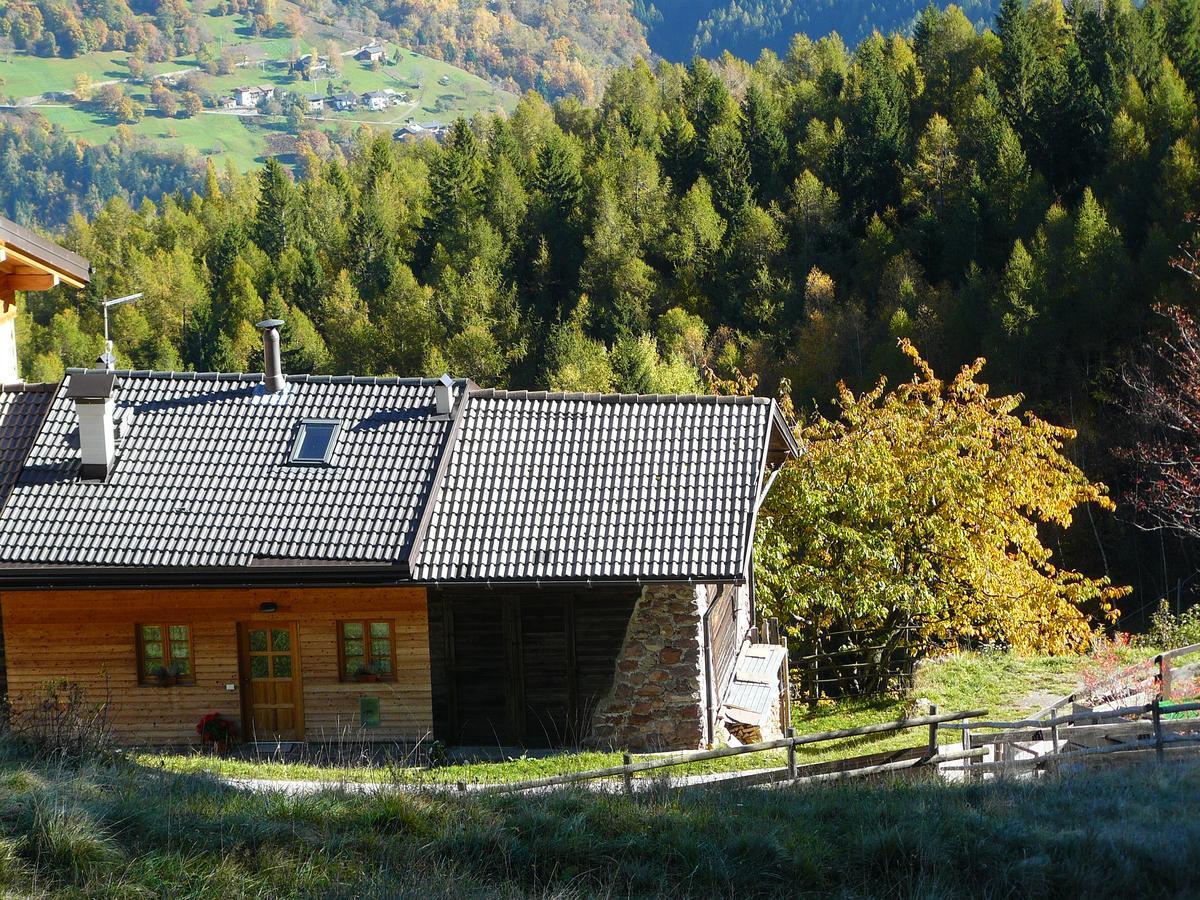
column 630, row 768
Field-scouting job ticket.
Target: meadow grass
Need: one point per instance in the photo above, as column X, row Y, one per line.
column 124, row 830
column 1008, row 685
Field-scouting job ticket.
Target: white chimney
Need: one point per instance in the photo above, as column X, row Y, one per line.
column 93, row 396
column 273, row 378
column 443, row 395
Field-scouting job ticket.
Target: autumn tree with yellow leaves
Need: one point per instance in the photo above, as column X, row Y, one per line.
column 920, row 510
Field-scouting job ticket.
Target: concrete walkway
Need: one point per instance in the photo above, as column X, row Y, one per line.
column 304, row 787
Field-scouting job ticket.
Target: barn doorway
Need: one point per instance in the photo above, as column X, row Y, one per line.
column 524, row 668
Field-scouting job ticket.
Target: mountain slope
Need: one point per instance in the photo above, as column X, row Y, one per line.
column 679, row 29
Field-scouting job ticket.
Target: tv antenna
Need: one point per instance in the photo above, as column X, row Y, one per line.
column 108, row 359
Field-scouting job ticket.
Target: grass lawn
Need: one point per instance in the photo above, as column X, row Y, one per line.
column 124, row 831
column 1007, row 685
column 220, row 137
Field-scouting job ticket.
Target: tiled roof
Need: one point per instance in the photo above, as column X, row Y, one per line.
column 22, row 408
column 202, row 477
column 571, row 486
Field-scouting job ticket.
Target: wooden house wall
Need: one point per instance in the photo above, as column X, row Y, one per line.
column 523, row 667
column 87, row 636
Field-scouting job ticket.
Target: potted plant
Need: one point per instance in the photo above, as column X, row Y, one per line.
column 168, row 676
column 367, row 673
column 215, row 729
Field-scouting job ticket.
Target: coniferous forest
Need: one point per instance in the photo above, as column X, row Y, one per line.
column 1017, row 193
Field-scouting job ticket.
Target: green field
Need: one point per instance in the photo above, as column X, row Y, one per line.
column 221, row 137
column 244, row 139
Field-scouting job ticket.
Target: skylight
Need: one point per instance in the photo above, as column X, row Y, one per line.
column 315, row 441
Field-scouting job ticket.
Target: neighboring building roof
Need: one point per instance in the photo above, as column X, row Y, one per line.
column 542, row 486
column 17, row 241
column 202, row 477
column 22, row 409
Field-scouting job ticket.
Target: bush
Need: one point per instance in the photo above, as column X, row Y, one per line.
column 1168, row 630
column 63, row 724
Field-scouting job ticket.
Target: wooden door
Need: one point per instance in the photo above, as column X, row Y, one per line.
column 271, row 691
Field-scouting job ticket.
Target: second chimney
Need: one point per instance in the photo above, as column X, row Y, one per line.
column 443, row 395
column 93, row 396
column 273, row 379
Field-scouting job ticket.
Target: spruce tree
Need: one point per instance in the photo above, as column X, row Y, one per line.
column 273, row 219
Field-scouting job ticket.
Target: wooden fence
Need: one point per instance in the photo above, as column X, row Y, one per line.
column 930, row 755
column 988, row 748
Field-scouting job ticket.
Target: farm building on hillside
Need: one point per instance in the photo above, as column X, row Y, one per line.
column 311, row 554
column 371, row 53
column 376, row 100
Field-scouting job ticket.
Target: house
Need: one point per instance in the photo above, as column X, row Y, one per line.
column 396, row 557
column 227, row 103
column 310, row 63
column 411, row 131
column 376, row 100
column 248, row 97
column 28, row 262
column 344, row 101
column 371, row 53
column 315, row 102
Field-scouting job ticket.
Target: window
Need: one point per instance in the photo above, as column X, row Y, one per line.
column 165, row 654
column 366, row 650
column 314, row 441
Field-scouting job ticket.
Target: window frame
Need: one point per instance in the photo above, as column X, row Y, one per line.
column 145, row 679
column 368, row 657
column 298, row 442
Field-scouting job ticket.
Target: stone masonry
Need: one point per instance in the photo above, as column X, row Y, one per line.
column 657, row 701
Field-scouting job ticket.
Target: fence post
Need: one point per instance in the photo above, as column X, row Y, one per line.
column 966, row 745
column 1164, row 676
column 1054, row 734
column 627, row 760
column 933, row 731
column 1156, row 712
column 787, row 685
column 814, row 694
column 791, row 754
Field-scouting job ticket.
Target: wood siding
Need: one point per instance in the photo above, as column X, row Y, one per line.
column 88, row 637
column 524, row 667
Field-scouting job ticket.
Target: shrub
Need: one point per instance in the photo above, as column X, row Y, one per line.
column 1168, row 630
column 63, row 723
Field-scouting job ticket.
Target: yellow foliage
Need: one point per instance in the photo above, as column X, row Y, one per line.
column 921, row 507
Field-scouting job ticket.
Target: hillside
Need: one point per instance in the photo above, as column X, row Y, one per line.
column 92, row 92
column 680, row 29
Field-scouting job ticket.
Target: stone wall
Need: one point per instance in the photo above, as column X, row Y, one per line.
column 657, row 701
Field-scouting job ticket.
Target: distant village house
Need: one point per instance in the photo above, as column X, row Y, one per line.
column 371, row 53
column 376, row 100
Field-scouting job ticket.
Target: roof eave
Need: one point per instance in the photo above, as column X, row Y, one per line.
column 35, row 577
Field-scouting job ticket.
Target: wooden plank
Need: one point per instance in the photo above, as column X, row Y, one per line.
column 88, row 637
column 16, row 282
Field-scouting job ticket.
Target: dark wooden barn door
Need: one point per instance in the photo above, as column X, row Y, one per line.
column 547, row 677
column 476, row 670
column 524, row 669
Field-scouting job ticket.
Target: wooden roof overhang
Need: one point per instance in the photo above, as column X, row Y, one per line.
column 30, row 262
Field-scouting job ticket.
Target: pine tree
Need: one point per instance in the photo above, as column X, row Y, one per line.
column 455, row 192
column 273, row 224
column 765, row 141
column 1018, row 64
